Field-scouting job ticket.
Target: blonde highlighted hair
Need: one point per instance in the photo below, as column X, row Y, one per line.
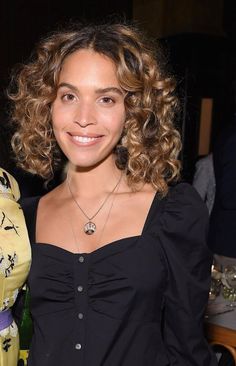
column 149, row 147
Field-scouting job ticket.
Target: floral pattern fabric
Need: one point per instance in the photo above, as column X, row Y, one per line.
column 15, row 259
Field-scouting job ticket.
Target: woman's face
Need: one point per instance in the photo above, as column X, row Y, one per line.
column 88, row 113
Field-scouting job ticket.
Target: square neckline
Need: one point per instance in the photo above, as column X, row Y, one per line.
column 102, row 247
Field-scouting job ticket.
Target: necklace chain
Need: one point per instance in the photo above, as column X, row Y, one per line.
column 90, row 227
column 104, row 225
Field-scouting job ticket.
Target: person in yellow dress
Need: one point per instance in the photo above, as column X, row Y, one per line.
column 15, row 259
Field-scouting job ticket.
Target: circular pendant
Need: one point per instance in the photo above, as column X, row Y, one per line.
column 89, row 228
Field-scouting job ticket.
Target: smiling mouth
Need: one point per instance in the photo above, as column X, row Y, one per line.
column 85, row 139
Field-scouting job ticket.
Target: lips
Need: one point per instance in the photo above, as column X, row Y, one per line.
column 85, row 139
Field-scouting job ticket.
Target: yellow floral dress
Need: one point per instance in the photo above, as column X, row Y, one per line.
column 15, row 259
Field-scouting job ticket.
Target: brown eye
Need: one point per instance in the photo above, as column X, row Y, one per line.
column 68, row 97
column 107, row 100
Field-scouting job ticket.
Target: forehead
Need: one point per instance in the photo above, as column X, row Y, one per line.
column 87, row 64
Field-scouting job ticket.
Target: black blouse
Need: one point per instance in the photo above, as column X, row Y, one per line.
column 138, row 301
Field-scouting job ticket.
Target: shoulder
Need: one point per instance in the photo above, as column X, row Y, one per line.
column 184, row 224
column 52, row 200
column 183, row 196
column 184, row 211
column 8, row 185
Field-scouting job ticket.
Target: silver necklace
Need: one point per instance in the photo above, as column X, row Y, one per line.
column 90, row 227
column 104, row 225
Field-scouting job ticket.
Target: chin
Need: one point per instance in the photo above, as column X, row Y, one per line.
column 82, row 164
column 89, row 164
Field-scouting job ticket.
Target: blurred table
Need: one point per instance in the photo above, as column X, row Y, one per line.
column 221, row 328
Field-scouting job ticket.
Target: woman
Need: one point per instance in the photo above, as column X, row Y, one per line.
column 121, row 271
column 15, row 255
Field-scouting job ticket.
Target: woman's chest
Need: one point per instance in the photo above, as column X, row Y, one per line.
column 123, row 275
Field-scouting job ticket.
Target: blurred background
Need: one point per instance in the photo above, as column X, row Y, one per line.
column 198, row 37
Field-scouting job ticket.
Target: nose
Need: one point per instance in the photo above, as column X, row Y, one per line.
column 85, row 115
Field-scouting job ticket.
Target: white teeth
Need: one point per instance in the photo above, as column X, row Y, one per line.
column 83, row 139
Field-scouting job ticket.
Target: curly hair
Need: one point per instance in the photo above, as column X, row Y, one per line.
column 149, row 147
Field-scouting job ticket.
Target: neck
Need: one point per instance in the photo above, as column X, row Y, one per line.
column 93, row 182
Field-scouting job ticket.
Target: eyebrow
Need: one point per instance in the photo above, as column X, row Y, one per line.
column 97, row 91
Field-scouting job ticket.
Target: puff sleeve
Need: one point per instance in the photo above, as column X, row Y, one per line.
column 8, row 185
column 188, row 261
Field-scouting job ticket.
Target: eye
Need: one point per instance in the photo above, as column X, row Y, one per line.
column 107, row 100
column 68, row 97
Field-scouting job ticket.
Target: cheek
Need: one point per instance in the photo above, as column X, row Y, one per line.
column 58, row 124
column 56, row 135
column 60, row 113
column 59, row 118
column 117, row 120
column 116, row 126
column 121, row 122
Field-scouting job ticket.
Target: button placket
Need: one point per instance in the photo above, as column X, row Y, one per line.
column 81, row 276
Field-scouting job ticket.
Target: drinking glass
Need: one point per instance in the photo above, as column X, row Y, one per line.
column 229, row 281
